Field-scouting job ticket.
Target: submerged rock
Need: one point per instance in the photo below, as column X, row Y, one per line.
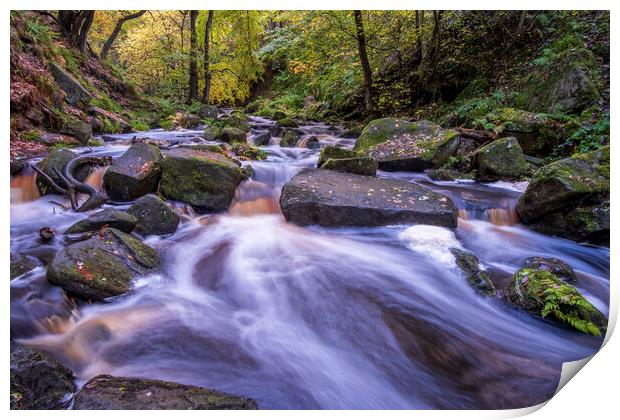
column 38, row 381
column 555, row 266
column 401, row 145
column 113, row 218
column 105, row 392
column 542, row 293
column 135, row 173
column 364, row 165
column 501, row 159
column 102, row 266
column 22, row 264
column 58, row 159
column 153, row 216
column 474, row 271
column 200, row 178
column 333, row 152
column 330, row 198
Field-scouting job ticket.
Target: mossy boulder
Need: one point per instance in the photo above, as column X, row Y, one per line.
column 555, row 266
column 76, row 94
column 474, row 271
column 333, row 152
column 441, row 174
column 232, row 134
column 248, row 151
column 135, row 173
column 77, row 128
column 213, row 132
column 364, row 165
column 501, row 159
column 262, row 138
column 276, row 131
column 22, row 264
column 113, row 218
column 102, row 266
column 154, row 216
column 58, row 159
column 105, row 392
column 278, row 115
column 566, row 183
column 353, row 132
column 203, row 179
column 236, row 119
column 209, row 111
column 287, row 122
column 542, row 293
column 38, row 381
column 289, row 138
column 401, row 145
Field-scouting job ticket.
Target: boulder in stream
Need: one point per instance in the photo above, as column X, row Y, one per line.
column 364, row 165
column 555, row 266
column 330, row 198
column 38, row 381
column 401, row 145
column 58, row 159
column 333, row 152
column 105, row 392
column 542, row 293
column 77, row 128
column 113, row 218
column 262, row 138
column 200, row 178
column 102, row 266
column 135, row 173
column 153, row 215
column 231, row 135
column 474, row 271
column 289, row 138
column 501, row 159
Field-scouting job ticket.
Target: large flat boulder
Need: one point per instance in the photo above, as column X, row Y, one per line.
column 135, row 173
column 102, row 266
column 401, row 145
column 105, row 392
column 330, row 198
column 200, row 178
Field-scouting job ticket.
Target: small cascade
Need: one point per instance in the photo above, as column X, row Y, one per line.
column 495, row 216
column 95, row 179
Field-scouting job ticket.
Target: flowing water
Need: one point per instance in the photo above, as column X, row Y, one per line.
column 312, row 317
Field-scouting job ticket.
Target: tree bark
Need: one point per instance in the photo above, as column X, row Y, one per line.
column 207, row 71
column 76, row 24
column 117, row 29
column 193, row 57
column 361, row 44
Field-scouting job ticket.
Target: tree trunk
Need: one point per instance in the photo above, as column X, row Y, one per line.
column 76, row 24
column 117, row 29
column 207, row 71
column 521, row 22
column 193, row 57
column 361, row 44
column 436, row 48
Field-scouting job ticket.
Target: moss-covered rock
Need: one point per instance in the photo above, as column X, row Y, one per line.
column 585, row 223
column 213, row 132
column 541, row 293
column 364, row 165
column 236, row 119
column 76, row 128
column 565, row 183
column 262, row 138
column 135, row 173
column 474, row 271
column 107, row 392
column 501, row 159
column 333, row 152
column 209, row 111
column 441, row 174
column 556, row 266
column 153, row 216
column 232, row 134
column 287, row 122
column 401, row 145
column 113, row 218
column 58, row 159
column 248, row 151
column 38, row 381
column 22, row 264
column 353, row 132
column 289, row 138
column 203, row 179
column 102, row 266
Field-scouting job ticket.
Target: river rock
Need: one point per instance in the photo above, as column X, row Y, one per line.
column 236, row 119
column 474, row 271
column 78, row 129
column 76, row 93
column 203, row 179
column 275, row 131
column 501, row 159
column 38, row 381
column 262, row 138
column 555, row 266
column 542, row 293
column 154, row 216
column 353, row 132
column 135, row 173
column 16, row 166
column 58, row 159
column 570, row 197
column 401, row 145
column 364, row 165
column 105, row 392
column 333, row 152
column 231, row 135
column 22, row 264
column 102, row 266
column 209, row 111
column 330, row 198
column 113, row 218
column 287, row 123
column 289, row 138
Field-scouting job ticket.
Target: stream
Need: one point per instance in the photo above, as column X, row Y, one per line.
column 308, row 318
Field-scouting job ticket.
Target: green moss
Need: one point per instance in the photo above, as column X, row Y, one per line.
column 139, row 125
column 62, row 145
column 110, row 126
column 333, row 152
column 95, row 143
column 105, row 102
column 31, row 135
